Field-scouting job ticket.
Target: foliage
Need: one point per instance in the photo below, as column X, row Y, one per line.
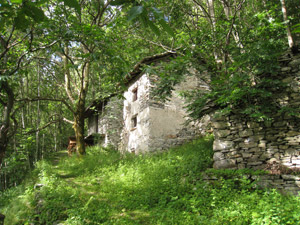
column 107, row 187
column 235, row 52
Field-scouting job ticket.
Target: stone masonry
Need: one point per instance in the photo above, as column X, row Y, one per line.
column 151, row 125
column 242, row 143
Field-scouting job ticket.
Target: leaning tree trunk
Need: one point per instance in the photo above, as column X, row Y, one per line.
column 4, row 127
column 79, row 127
column 80, row 108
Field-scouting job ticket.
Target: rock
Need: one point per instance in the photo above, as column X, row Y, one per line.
column 283, row 147
column 264, row 156
column 254, row 158
column 239, row 160
column 262, row 144
column 225, row 164
column 251, row 164
column 286, row 69
column 289, row 177
column 246, row 133
column 252, row 125
column 222, row 133
column 220, row 125
column 280, row 124
column 273, row 160
column 255, row 150
column 221, row 145
column 293, row 133
column 246, row 155
column 241, row 166
column 294, row 63
column 218, row 156
column 264, row 183
column 248, row 145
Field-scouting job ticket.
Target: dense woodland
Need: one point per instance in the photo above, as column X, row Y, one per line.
column 59, row 56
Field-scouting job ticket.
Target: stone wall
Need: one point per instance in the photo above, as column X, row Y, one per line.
column 159, row 125
column 242, row 143
column 140, row 123
column 286, row 184
column 108, row 123
column 169, row 124
column 135, row 137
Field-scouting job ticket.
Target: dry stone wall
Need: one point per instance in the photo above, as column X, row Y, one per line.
column 286, row 184
column 242, row 143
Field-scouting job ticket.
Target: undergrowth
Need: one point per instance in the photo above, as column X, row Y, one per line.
column 106, row 187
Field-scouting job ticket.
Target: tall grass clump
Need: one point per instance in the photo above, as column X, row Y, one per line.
column 106, row 187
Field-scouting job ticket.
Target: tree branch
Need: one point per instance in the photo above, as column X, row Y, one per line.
column 47, row 99
column 102, row 11
column 68, row 121
column 43, row 127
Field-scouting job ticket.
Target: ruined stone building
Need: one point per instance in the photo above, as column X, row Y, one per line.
column 139, row 123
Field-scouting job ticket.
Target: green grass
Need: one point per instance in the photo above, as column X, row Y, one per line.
column 105, row 187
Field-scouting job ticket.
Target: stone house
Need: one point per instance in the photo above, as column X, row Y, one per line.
column 139, row 123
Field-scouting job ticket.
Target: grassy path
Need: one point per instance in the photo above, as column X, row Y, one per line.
column 105, row 187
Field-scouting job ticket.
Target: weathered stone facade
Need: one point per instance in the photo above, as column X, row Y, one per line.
column 139, row 123
column 135, row 133
column 107, row 122
column 159, row 125
column 242, row 143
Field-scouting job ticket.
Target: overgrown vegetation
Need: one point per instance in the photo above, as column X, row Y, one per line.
column 106, row 187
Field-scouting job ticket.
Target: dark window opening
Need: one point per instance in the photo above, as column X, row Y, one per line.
column 135, row 94
column 134, row 121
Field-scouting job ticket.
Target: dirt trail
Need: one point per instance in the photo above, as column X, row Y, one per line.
column 58, row 156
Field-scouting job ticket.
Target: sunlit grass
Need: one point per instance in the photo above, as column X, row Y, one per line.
column 106, row 187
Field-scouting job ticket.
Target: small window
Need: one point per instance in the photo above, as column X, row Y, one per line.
column 134, row 122
column 135, row 94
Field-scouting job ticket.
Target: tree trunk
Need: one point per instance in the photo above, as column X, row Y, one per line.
column 37, row 134
column 285, row 19
column 79, row 123
column 4, row 127
column 79, row 132
column 80, row 107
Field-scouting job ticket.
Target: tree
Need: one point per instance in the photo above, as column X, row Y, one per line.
column 16, row 38
column 237, row 44
column 80, row 54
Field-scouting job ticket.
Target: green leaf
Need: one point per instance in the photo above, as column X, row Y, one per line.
column 135, row 12
column 16, row 1
column 34, row 12
column 296, row 30
column 166, row 27
column 73, row 4
column 21, row 22
column 121, row 2
column 153, row 27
